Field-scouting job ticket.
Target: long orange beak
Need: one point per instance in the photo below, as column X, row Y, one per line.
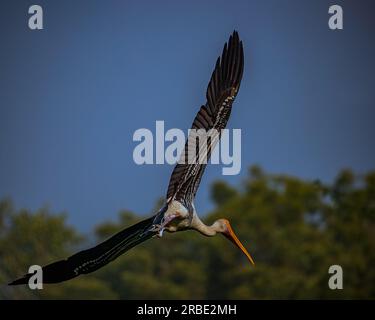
column 232, row 237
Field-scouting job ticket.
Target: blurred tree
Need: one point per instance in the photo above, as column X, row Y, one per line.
column 30, row 238
column 295, row 230
column 221, row 192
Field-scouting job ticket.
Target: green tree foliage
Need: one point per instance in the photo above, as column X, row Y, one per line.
column 295, row 230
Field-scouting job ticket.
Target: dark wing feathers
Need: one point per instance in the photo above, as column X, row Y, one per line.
column 87, row 261
column 221, row 91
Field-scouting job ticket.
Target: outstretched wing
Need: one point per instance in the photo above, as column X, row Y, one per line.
column 87, row 261
column 221, row 92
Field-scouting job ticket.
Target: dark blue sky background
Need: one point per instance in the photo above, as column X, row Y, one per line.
column 72, row 95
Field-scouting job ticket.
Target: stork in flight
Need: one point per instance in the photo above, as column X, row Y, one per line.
column 178, row 213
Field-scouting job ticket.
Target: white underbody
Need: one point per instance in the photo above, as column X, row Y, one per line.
column 180, row 215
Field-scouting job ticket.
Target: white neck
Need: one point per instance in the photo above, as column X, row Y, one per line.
column 204, row 229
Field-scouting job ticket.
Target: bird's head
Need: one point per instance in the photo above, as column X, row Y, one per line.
column 223, row 226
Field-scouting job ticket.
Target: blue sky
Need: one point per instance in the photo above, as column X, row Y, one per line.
column 73, row 94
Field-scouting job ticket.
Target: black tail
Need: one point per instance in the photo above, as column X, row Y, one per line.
column 87, row 261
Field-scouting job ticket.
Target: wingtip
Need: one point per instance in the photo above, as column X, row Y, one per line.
column 22, row 280
column 234, row 39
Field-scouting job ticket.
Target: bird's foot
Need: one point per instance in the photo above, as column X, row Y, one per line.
column 159, row 228
column 160, row 233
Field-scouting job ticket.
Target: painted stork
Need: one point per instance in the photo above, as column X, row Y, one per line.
column 178, row 213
